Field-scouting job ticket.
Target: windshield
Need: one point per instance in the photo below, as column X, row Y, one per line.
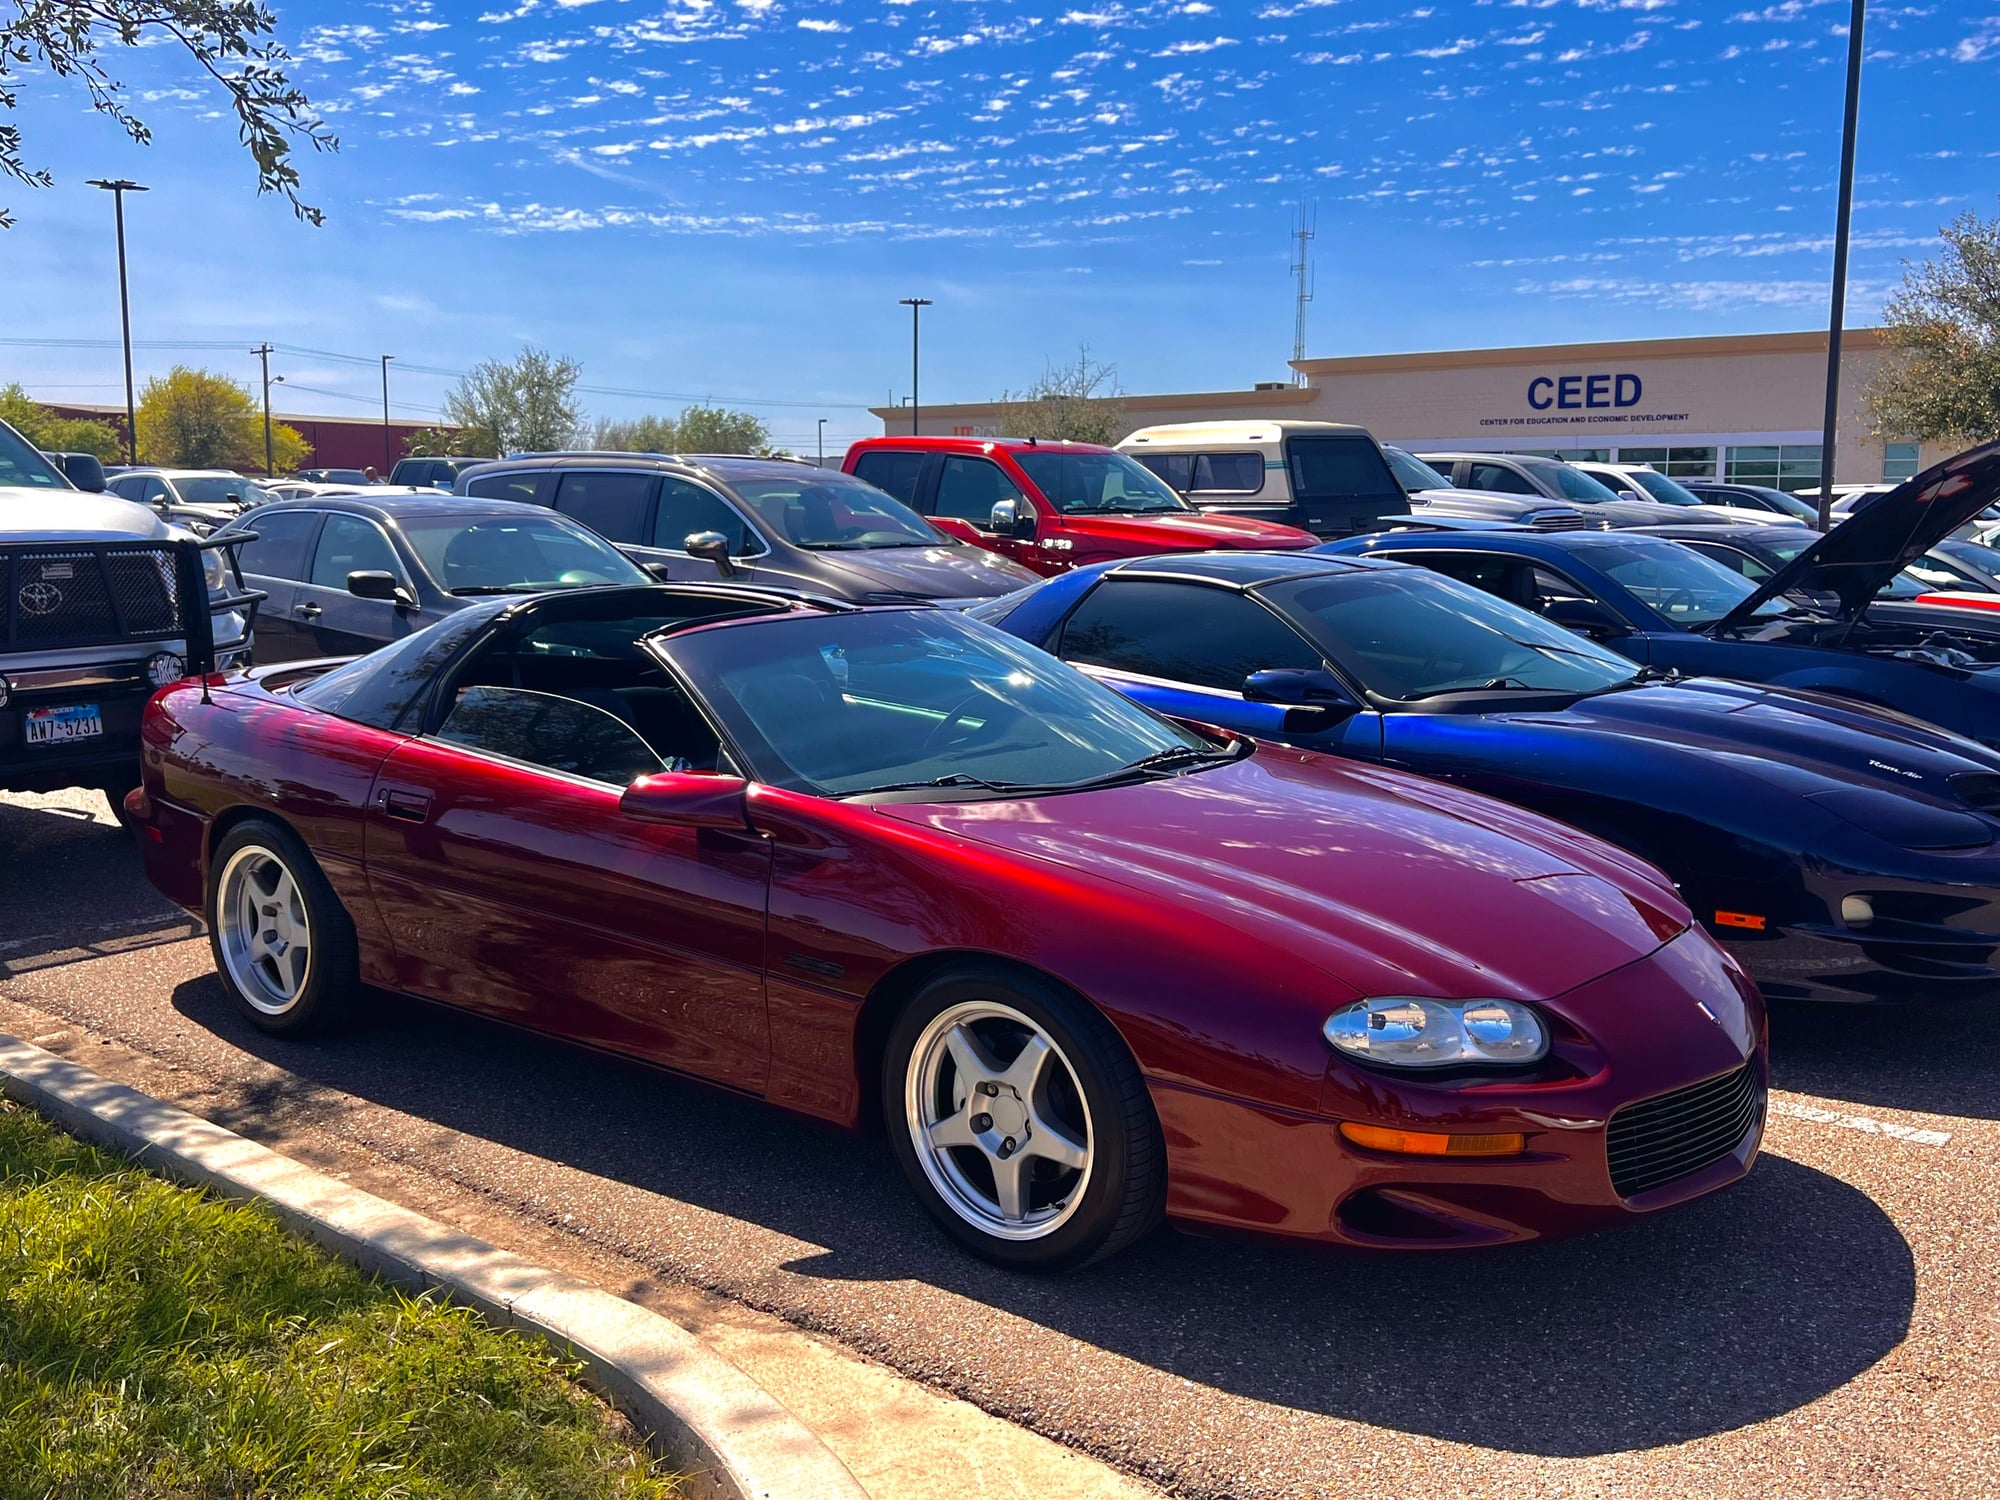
column 1681, row 586
column 1082, row 484
column 845, row 703
column 229, row 490
column 825, row 511
column 1656, row 486
column 1410, row 633
column 482, row 554
column 1412, row 473
column 1574, row 483
column 21, row 464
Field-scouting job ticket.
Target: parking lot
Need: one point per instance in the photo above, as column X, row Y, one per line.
column 1826, row 1328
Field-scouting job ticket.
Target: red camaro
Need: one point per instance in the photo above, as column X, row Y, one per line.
column 1088, row 965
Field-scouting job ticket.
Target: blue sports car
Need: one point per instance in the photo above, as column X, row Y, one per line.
column 1821, row 621
column 1842, row 853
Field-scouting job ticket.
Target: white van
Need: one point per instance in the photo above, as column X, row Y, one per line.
column 1324, row 477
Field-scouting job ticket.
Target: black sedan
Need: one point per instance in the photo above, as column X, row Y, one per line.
column 346, row 574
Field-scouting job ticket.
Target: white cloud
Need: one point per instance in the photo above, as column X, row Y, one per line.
column 810, row 23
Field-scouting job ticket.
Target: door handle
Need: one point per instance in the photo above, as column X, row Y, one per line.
column 406, row 807
column 308, row 611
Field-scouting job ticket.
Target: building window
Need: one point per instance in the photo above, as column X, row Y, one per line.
column 1899, row 461
column 1790, row 466
column 1675, row 463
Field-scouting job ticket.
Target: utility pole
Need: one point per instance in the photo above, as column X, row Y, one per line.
column 388, row 450
column 822, row 442
column 1303, row 231
column 118, row 187
column 1844, row 211
column 263, row 353
column 916, row 305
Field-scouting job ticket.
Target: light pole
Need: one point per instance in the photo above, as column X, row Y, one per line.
column 1834, row 318
column 263, row 353
column 916, row 305
column 118, row 187
column 388, row 461
column 822, row 442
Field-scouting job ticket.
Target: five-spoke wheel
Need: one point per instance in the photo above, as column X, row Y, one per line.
column 282, row 940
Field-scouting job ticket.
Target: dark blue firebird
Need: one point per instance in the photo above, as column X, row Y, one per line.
column 1842, row 854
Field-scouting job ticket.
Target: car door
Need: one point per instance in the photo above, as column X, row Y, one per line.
column 968, row 487
column 1501, row 478
column 511, row 883
column 338, row 623
column 617, row 504
column 276, row 563
column 1184, row 649
column 686, row 509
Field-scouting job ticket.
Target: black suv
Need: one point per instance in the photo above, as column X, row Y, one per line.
column 432, row 473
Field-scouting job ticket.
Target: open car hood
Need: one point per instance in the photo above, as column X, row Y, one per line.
column 1856, row 560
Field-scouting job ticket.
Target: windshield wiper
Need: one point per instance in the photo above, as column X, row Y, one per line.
column 503, row 588
column 956, row 778
column 1160, row 761
column 834, row 546
column 1491, row 685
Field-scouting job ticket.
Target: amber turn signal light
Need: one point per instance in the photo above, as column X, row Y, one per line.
column 1747, row 920
column 1431, row 1143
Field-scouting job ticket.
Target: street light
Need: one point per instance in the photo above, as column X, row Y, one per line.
column 118, row 187
column 822, row 442
column 1847, row 130
column 916, row 305
column 388, row 462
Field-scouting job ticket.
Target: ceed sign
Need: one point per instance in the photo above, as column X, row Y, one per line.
column 1591, row 392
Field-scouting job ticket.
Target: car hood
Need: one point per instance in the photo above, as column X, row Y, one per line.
column 35, row 515
column 1387, row 883
column 1488, row 505
column 953, row 572
column 1193, row 531
column 1857, row 559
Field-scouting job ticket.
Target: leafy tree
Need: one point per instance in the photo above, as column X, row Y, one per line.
column 226, row 39
column 638, row 435
column 717, row 429
column 452, row 442
column 1942, row 382
column 196, row 419
column 1081, row 402
column 57, row 434
column 527, row 404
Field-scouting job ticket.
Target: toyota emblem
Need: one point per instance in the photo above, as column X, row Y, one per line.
column 40, row 598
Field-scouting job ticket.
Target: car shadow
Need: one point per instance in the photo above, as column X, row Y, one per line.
column 72, row 887
column 1918, row 1055
column 1726, row 1312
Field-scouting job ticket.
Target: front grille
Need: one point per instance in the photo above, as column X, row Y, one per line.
column 1557, row 520
column 76, row 596
column 1655, row 1141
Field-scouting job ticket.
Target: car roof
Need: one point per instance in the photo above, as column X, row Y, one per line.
column 1240, row 430
column 724, row 466
column 1245, row 569
column 393, row 507
column 1753, row 532
column 984, row 444
column 1513, row 458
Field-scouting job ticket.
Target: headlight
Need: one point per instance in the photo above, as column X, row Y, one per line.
column 213, row 570
column 163, row 667
column 1401, row 1031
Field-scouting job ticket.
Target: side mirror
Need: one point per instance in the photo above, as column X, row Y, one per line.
column 1630, row 495
column 1586, row 617
column 373, row 583
column 1314, row 695
column 712, row 545
column 687, row 799
column 662, row 571
column 85, row 472
column 1012, row 518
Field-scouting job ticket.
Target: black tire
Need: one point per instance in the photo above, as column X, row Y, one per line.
column 328, row 993
column 115, row 787
column 1123, row 1193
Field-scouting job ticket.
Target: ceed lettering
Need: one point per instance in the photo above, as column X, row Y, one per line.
column 1585, row 392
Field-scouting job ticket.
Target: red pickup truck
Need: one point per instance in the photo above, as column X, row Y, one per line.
column 1052, row 506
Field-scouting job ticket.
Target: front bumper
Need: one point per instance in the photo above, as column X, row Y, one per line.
column 1243, row 1166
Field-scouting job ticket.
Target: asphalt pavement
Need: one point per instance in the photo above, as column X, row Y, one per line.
column 1827, row 1328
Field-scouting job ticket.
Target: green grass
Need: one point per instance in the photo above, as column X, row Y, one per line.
column 159, row 1344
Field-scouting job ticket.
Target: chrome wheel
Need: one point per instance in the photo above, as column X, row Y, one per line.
column 264, row 932
column 998, row 1120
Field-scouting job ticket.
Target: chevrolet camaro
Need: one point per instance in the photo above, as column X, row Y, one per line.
column 1086, row 966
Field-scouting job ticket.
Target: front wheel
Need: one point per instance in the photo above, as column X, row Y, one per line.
column 1022, row 1122
column 283, row 943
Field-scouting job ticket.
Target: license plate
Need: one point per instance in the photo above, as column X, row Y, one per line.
column 63, row 726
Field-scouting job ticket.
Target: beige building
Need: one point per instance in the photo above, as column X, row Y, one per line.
column 1745, row 407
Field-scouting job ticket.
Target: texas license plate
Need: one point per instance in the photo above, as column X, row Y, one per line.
column 65, row 725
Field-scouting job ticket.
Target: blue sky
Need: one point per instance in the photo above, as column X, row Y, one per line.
column 726, row 198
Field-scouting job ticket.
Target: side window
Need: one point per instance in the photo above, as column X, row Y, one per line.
column 280, row 548
column 687, row 508
column 545, row 729
column 1498, row 477
column 349, row 544
column 1175, row 470
column 1228, row 473
column 968, row 488
column 155, row 491
column 611, row 504
column 520, row 487
column 1730, row 558
column 896, row 472
column 1506, row 578
column 1182, row 632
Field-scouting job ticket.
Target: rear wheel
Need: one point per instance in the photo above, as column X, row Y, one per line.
column 283, row 943
column 1022, row 1122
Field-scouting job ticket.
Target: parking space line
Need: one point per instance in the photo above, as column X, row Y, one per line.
column 1862, row 1123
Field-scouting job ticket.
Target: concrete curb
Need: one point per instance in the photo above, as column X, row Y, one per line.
column 700, row 1410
